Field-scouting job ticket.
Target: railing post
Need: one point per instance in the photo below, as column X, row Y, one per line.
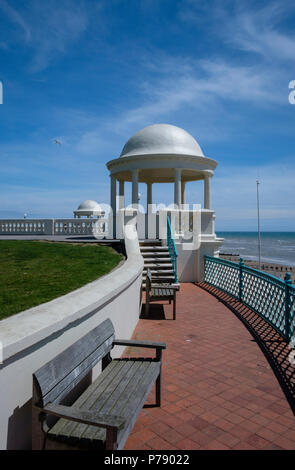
column 172, row 249
column 288, row 283
column 241, row 266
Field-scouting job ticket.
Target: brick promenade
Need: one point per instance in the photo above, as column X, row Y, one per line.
column 218, row 390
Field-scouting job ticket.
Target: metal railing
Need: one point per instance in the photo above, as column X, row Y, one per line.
column 172, row 249
column 270, row 297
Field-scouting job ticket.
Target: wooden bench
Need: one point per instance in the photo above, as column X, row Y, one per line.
column 156, row 292
column 105, row 411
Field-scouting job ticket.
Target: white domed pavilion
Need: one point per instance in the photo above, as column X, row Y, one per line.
column 88, row 208
column 161, row 153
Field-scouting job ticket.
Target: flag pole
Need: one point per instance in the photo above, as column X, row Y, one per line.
column 258, row 225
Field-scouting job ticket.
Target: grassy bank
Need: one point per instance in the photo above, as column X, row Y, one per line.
column 34, row 272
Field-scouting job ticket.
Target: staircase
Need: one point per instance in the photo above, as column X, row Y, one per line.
column 157, row 259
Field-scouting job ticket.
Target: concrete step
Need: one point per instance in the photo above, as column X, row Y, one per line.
column 154, row 249
column 156, row 259
column 158, row 272
column 150, row 243
column 157, row 266
column 165, row 258
column 162, row 277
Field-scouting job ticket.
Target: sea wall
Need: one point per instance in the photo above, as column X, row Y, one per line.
column 33, row 337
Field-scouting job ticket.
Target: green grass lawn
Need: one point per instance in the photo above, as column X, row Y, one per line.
column 34, row 272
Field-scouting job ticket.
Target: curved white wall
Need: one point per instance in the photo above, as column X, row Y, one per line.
column 33, row 337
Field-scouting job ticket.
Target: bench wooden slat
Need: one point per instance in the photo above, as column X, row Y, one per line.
column 65, row 427
column 164, row 292
column 78, row 358
column 120, row 397
column 97, row 399
column 137, row 401
column 133, row 398
column 123, row 394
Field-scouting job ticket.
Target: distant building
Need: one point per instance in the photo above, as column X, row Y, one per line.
column 89, row 209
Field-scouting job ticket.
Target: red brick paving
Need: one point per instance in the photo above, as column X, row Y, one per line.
column 218, row 389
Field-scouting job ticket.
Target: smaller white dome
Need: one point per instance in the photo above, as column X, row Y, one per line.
column 89, row 205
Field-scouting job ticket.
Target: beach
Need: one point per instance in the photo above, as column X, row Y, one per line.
column 277, row 251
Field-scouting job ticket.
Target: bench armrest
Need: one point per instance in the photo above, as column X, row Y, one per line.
column 139, row 343
column 176, row 288
column 84, row 416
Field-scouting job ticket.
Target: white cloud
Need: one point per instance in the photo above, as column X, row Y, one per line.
column 16, row 18
column 204, row 88
column 259, row 31
column 49, row 28
column 55, row 30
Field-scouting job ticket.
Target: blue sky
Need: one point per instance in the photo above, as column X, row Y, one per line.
column 92, row 73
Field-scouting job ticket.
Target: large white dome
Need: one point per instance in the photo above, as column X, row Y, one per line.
column 162, row 139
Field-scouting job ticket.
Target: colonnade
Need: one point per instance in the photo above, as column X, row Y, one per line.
column 179, row 191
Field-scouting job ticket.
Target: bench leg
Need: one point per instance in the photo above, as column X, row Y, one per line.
column 147, row 308
column 158, row 390
column 38, row 436
column 106, row 360
column 174, row 307
column 111, row 439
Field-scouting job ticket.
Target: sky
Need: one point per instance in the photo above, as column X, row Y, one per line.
column 91, row 73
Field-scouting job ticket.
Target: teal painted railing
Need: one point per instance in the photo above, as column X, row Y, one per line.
column 172, row 249
column 267, row 295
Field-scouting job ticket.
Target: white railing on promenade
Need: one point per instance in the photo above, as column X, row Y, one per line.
column 96, row 227
column 148, row 225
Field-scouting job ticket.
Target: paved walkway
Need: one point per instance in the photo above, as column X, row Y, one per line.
column 218, row 391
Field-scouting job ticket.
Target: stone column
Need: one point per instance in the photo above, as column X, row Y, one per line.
column 149, row 196
column 114, row 203
column 207, row 192
column 177, row 186
column 121, row 195
column 134, row 188
column 183, row 192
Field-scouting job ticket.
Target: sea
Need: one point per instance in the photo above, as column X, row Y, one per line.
column 276, row 247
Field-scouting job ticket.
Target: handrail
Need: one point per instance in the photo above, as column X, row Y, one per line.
column 268, row 296
column 172, row 249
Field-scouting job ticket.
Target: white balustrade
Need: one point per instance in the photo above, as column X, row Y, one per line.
column 95, row 227
column 147, row 225
column 23, row 226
